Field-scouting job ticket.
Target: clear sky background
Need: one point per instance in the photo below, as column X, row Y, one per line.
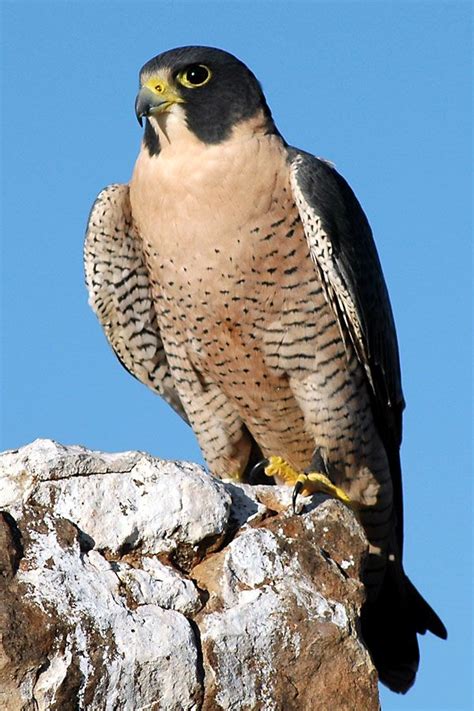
column 380, row 88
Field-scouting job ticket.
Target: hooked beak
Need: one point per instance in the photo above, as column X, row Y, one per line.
column 155, row 97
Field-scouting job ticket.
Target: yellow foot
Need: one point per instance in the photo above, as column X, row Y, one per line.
column 307, row 484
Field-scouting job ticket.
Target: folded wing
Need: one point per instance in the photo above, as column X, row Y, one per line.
column 119, row 292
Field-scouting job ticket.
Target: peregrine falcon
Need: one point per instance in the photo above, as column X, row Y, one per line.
column 237, row 276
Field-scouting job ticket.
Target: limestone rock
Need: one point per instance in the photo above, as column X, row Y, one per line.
column 127, row 582
column 120, row 501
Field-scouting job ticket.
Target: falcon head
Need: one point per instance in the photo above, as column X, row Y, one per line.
column 207, row 90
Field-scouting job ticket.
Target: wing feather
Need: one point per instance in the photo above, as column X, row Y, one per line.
column 344, row 253
column 119, row 293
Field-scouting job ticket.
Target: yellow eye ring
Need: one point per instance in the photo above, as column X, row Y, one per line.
column 194, row 76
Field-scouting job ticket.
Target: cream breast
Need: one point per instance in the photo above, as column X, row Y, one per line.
column 193, row 198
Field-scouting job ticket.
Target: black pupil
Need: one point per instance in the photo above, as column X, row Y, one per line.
column 197, row 74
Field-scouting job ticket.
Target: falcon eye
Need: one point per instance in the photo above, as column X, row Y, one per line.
column 195, row 75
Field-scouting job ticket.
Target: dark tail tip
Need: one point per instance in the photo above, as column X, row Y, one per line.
column 425, row 617
column 390, row 627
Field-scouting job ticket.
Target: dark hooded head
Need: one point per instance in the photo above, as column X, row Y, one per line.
column 214, row 89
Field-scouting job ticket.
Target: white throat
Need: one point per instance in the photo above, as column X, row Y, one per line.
column 172, row 128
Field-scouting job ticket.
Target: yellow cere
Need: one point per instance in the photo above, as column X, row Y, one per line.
column 163, row 90
column 157, row 85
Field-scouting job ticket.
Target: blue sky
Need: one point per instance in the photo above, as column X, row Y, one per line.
column 380, row 88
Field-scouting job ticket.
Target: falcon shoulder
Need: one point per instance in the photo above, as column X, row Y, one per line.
column 119, row 292
column 344, row 253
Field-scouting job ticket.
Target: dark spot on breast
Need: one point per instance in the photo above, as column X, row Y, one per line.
column 278, row 222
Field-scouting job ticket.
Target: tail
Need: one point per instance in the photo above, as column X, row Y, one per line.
column 390, row 625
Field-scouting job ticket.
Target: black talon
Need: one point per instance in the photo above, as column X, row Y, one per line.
column 255, row 474
column 296, row 490
column 318, row 463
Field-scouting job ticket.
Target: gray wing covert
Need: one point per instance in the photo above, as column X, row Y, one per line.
column 119, row 292
column 343, row 250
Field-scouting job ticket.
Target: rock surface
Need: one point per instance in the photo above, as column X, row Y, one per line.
column 131, row 583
